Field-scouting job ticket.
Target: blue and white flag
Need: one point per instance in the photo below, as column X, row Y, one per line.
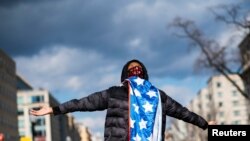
column 145, row 111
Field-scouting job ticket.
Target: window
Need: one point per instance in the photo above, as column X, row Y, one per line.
column 37, row 99
column 209, row 117
column 209, row 97
column 218, row 84
column 234, row 93
column 21, row 133
column 20, row 112
column 236, row 113
column 235, row 103
column 199, row 105
column 221, row 114
column 220, row 104
column 40, row 121
column 40, row 133
column 219, row 94
column 236, row 122
column 20, row 124
column 20, row 100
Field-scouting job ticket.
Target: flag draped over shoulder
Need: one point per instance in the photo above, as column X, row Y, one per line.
column 145, row 110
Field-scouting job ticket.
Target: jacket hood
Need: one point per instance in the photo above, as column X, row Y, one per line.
column 124, row 74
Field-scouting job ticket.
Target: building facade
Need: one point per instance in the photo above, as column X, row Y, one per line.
column 219, row 101
column 73, row 129
column 194, row 132
column 177, row 131
column 229, row 106
column 36, row 127
column 8, row 106
column 84, row 132
column 69, row 129
column 42, row 128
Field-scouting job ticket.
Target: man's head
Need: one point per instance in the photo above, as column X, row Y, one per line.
column 134, row 68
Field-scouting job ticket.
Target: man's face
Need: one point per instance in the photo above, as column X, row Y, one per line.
column 135, row 69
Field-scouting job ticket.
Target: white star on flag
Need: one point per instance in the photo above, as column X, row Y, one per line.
column 136, row 108
column 137, row 93
column 143, row 124
column 144, row 108
column 132, row 122
column 148, row 107
column 139, row 81
column 151, row 94
column 137, row 138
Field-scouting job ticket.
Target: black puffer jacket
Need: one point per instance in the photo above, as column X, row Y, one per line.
column 115, row 100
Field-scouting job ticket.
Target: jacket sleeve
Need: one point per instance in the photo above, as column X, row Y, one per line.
column 176, row 110
column 94, row 102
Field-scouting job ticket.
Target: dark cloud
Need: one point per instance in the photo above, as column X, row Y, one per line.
column 13, row 3
column 29, row 27
column 119, row 30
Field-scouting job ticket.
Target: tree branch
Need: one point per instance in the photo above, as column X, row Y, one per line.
column 231, row 16
column 214, row 58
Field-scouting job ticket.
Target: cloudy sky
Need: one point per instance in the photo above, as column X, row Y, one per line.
column 76, row 47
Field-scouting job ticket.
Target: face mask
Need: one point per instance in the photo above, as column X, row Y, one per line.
column 135, row 71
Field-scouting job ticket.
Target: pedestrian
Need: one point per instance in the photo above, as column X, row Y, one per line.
column 136, row 110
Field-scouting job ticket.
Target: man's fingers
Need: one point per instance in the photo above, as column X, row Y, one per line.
column 33, row 112
column 212, row 122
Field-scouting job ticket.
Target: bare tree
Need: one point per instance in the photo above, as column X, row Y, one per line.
column 213, row 55
column 232, row 14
